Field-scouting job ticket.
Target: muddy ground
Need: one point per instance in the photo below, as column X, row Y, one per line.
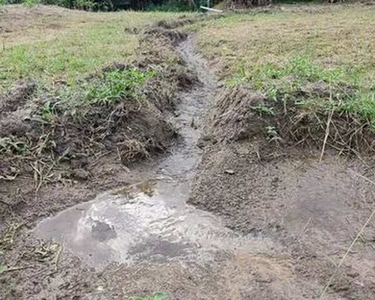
column 267, row 222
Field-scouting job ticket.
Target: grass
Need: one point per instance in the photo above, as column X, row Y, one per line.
column 157, row 296
column 117, row 85
column 57, row 45
column 285, row 52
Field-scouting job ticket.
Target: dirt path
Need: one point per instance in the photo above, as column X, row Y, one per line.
column 267, row 230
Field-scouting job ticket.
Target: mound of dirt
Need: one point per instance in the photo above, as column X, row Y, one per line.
column 159, row 32
column 16, row 97
column 233, row 118
column 268, row 183
column 17, row 17
column 242, row 113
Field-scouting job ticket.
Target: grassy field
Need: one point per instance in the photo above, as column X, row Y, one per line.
column 284, row 51
column 51, row 44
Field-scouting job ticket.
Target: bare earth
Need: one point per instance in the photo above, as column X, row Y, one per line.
column 262, row 222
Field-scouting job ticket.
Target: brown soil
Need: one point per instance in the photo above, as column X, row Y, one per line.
column 311, row 209
column 298, row 215
column 68, row 159
column 240, row 113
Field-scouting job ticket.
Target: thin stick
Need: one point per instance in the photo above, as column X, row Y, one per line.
column 17, row 269
column 57, row 258
column 5, row 203
column 363, row 177
column 304, row 229
column 346, row 254
column 351, row 245
column 327, row 134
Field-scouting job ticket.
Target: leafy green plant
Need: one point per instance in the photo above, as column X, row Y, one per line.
column 271, row 132
column 262, row 108
column 7, row 144
column 117, row 85
column 48, row 112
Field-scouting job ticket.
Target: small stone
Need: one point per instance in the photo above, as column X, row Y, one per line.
column 229, row 171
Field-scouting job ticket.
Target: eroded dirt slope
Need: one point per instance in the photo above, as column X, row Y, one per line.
column 310, row 209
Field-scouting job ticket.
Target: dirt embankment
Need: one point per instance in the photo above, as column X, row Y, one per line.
column 262, row 173
column 53, row 152
column 52, row 157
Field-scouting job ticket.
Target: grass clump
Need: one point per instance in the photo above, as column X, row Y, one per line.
column 306, row 69
column 309, row 85
column 116, row 85
column 53, row 45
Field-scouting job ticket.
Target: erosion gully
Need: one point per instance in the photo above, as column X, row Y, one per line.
column 150, row 221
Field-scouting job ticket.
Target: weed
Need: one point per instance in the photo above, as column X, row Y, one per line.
column 7, row 241
column 117, row 85
column 48, row 114
column 271, row 132
column 263, row 109
column 9, row 145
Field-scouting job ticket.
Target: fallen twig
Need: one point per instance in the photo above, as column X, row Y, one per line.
column 16, row 269
column 57, row 258
column 303, row 230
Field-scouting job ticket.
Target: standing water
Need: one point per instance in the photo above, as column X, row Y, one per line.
column 150, row 221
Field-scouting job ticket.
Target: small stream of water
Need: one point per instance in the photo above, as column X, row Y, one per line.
column 150, row 221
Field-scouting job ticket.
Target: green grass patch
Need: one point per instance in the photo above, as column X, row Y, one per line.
column 105, row 90
column 312, row 86
column 68, row 56
column 116, row 85
column 67, row 47
column 157, row 296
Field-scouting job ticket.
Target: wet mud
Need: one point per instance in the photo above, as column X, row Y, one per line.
column 212, row 219
column 150, row 221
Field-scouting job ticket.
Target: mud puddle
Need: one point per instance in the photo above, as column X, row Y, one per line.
column 150, row 221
